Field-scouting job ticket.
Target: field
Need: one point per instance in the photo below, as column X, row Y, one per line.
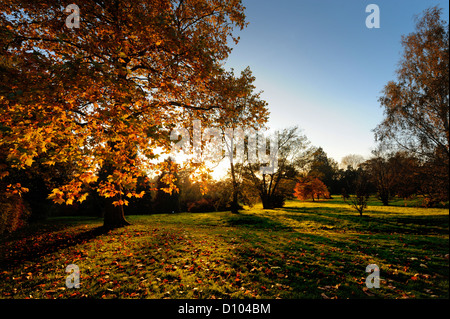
column 304, row 250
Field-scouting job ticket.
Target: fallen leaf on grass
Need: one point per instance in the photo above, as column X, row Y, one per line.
column 366, row 291
column 324, row 296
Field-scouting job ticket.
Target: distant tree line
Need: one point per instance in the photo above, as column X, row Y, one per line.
column 303, row 172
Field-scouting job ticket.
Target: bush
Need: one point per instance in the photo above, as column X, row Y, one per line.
column 311, row 187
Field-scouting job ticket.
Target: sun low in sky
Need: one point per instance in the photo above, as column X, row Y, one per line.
column 322, row 68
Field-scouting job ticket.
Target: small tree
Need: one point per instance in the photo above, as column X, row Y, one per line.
column 359, row 200
column 310, row 187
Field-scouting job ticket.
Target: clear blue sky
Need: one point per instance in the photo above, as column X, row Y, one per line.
column 320, row 68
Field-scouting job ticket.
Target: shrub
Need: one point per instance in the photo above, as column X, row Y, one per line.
column 311, row 187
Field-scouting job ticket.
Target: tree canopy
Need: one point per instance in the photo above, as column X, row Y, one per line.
column 416, row 106
column 106, row 95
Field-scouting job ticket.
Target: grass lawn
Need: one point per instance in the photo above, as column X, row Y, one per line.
column 304, row 250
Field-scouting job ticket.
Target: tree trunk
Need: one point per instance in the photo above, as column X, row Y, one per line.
column 114, row 216
column 234, row 203
column 384, row 197
column 267, row 202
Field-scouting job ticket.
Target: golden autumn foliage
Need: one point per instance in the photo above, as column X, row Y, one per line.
column 106, row 95
column 310, row 187
column 416, row 104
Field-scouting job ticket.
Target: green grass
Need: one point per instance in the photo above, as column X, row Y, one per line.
column 305, row 250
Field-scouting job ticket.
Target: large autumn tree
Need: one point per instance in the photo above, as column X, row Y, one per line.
column 106, row 95
column 416, row 105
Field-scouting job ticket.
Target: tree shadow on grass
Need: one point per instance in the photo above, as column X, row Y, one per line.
column 328, row 258
column 31, row 248
column 256, row 222
column 372, row 221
